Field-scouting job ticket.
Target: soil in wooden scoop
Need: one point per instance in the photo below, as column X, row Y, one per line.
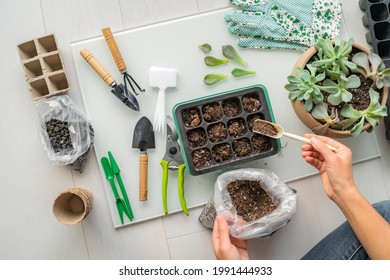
column 196, row 137
column 250, row 103
column 260, row 143
column 241, row 147
column 231, row 107
column 236, row 128
column 201, row 158
column 265, row 128
column 212, row 112
column 250, row 199
column 222, row 152
column 217, row 132
column 191, row 117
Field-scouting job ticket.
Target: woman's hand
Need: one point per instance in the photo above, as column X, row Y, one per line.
column 335, row 167
column 225, row 246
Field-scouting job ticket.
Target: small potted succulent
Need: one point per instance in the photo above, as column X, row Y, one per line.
column 339, row 89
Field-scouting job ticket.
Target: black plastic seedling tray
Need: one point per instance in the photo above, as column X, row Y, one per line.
column 215, row 131
column 377, row 20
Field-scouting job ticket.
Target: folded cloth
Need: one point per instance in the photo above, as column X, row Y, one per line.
column 290, row 24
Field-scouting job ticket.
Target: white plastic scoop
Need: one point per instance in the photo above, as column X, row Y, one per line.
column 276, row 131
column 161, row 78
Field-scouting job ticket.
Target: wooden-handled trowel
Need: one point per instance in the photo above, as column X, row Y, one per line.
column 143, row 139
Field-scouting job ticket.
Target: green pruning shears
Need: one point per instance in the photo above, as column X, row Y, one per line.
column 173, row 160
column 112, row 171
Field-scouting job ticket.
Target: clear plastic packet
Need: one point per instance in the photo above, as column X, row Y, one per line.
column 66, row 133
column 282, row 195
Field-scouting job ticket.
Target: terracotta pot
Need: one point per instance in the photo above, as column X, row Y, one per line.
column 306, row 117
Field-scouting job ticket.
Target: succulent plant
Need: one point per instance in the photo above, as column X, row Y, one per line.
column 331, row 70
column 339, row 91
column 374, row 112
column 320, row 112
column 372, row 66
column 303, row 86
column 333, row 58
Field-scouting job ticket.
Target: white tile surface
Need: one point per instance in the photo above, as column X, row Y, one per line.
column 139, row 12
column 196, row 246
column 208, row 5
column 30, row 183
column 188, row 224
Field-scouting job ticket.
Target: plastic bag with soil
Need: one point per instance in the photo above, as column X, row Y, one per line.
column 66, row 134
column 272, row 204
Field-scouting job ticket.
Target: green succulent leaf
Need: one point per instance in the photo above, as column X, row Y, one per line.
column 213, row 61
column 238, row 72
column 353, row 81
column 206, row 48
column 375, row 61
column 357, row 129
column 374, row 112
column 361, row 60
column 211, row 79
column 229, row 52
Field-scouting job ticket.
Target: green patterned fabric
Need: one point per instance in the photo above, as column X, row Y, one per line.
column 290, row 24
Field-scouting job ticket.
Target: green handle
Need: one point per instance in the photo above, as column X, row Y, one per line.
column 164, row 165
column 125, row 197
column 180, row 185
column 109, row 175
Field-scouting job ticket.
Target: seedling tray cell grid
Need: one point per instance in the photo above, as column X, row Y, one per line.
column 216, row 131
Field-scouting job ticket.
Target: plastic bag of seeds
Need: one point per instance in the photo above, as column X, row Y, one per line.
column 255, row 202
column 66, row 134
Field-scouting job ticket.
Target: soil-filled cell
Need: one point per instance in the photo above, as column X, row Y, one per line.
column 191, row 117
column 242, row 147
column 231, row 107
column 212, row 112
column 217, row 132
column 201, row 158
column 252, row 118
column 250, row 103
column 260, row 143
column 375, row 1
column 196, row 137
column 222, row 152
column 382, row 30
column 236, row 127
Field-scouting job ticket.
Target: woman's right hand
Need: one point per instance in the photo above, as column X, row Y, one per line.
column 335, row 167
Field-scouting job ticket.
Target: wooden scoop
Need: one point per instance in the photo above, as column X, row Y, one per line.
column 276, row 131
